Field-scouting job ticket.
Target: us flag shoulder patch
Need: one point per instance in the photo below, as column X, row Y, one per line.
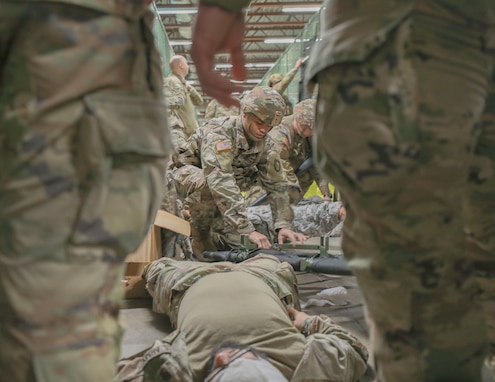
column 224, row 146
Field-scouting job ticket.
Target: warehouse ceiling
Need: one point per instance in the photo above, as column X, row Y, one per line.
column 265, row 20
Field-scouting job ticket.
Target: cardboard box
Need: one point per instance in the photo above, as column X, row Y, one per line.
column 150, row 250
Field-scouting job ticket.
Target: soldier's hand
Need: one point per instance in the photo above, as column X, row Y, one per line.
column 286, row 234
column 186, row 158
column 297, row 317
column 260, row 240
column 218, row 31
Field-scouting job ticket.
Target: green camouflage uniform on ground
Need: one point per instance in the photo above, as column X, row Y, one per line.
column 84, row 139
column 326, row 351
column 406, row 93
column 180, row 102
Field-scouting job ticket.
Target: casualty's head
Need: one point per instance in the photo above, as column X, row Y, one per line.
column 261, row 108
column 304, row 117
column 235, row 362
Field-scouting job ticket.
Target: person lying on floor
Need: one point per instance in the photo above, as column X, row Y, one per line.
column 256, row 304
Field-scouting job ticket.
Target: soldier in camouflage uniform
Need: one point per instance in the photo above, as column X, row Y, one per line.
column 203, row 301
column 407, row 95
column 84, row 139
column 181, row 98
column 216, row 109
column 280, row 84
column 293, row 138
column 412, row 151
column 228, row 155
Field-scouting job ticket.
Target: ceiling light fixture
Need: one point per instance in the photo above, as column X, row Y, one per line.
column 260, row 65
column 249, row 65
column 180, row 42
column 223, row 66
column 300, row 9
column 250, row 81
column 279, row 40
column 176, row 11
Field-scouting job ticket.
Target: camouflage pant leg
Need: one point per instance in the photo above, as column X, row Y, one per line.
column 203, row 214
column 173, row 244
column 401, row 139
column 82, row 163
column 68, row 327
column 191, row 186
column 207, row 229
column 189, row 181
column 480, row 227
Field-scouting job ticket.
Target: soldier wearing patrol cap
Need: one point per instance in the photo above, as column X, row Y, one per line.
column 223, row 159
column 293, row 139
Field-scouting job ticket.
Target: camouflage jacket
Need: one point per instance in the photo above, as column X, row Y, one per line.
column 216, row 109
column 181, row 101
column 231, row 164
column 293, row 150
column 351, row 31
column 331, row 353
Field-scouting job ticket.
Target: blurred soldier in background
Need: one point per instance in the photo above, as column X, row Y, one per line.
column 181, row 98
column 224, row 158
column 280, row 84
column 216, row 109
column 84, row 139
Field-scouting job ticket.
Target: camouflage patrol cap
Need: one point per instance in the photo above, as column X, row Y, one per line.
column 275, row 79
column 266, row 103
column 304, row 112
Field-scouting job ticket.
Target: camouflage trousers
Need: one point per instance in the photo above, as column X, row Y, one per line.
column 207, row 228
column 84, row 148
column 412, row 150
column 174, row 245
